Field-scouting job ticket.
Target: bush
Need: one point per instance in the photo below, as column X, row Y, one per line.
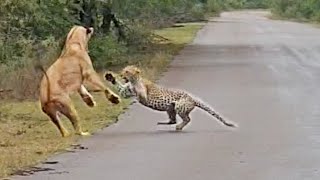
column 214, row 6
column 157, row 13
column 106, row 51
column 306, row 9
column 33, row 31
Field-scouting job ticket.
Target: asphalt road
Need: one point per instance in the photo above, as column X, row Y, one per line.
column 262, row 74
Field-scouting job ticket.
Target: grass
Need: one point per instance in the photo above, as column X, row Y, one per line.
column 274, row 16
column 310, row 22
column 27, row 137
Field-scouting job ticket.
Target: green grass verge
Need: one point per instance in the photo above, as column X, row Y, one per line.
column 27, row 137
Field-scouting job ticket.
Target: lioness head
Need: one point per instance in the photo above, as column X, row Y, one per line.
column 131, row 73
column 79, row 35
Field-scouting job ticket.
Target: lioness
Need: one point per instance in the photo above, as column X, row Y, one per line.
column 67, row 75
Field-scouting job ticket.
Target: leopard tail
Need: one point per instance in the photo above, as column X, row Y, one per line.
column 210, row 110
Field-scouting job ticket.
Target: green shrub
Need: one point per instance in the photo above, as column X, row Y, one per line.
column 306, row 9
column 214, row 6
column 106, row 51
column 33, row 32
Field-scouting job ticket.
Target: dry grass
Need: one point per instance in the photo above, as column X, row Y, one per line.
column 27, row 137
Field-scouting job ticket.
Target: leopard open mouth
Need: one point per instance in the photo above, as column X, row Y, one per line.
column 125, row 79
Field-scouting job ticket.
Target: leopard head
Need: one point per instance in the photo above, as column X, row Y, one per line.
column 131, row 73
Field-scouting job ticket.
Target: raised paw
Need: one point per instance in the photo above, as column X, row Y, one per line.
column 89, row 101
column 114, row 99
column 110, row 77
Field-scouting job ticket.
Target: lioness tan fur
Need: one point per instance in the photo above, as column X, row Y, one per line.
column 67, row 75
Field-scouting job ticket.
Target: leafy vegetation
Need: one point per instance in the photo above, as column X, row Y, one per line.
column 34, row 30
column 298, row 9
column 237, row 4
column 306, row 10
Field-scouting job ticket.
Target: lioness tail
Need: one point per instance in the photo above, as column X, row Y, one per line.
column 39, row 66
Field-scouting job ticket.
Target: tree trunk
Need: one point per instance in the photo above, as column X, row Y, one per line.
column 107, row 18
column 88, row 15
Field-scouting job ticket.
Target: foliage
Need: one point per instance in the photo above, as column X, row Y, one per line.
column 301, row 9
column 34, row 30
column 217, row 5
column 256, row 4
column 214, row 6
column 106, row 51
column 159, row 13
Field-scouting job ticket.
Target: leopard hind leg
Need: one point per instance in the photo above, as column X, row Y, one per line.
column 183, row 108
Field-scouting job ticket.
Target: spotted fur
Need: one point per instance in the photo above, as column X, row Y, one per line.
column 163, row 99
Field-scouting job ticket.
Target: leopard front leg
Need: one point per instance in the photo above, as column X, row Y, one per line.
column 172, row 115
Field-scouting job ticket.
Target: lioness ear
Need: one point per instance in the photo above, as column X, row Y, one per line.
column 88, row 30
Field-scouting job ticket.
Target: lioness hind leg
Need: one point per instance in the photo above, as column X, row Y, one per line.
column 69, row 111
column 52, row 112
column 86, row 96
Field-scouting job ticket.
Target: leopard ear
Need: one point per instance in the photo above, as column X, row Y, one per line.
column 137, row 70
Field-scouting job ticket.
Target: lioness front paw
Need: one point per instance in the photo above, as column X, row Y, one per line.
column 114, row 99
column 89, row 101
column 84, row 133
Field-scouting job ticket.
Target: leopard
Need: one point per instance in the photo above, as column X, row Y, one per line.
column 173, row 101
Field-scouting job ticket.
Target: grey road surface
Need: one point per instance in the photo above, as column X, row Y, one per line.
column 260, row 73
